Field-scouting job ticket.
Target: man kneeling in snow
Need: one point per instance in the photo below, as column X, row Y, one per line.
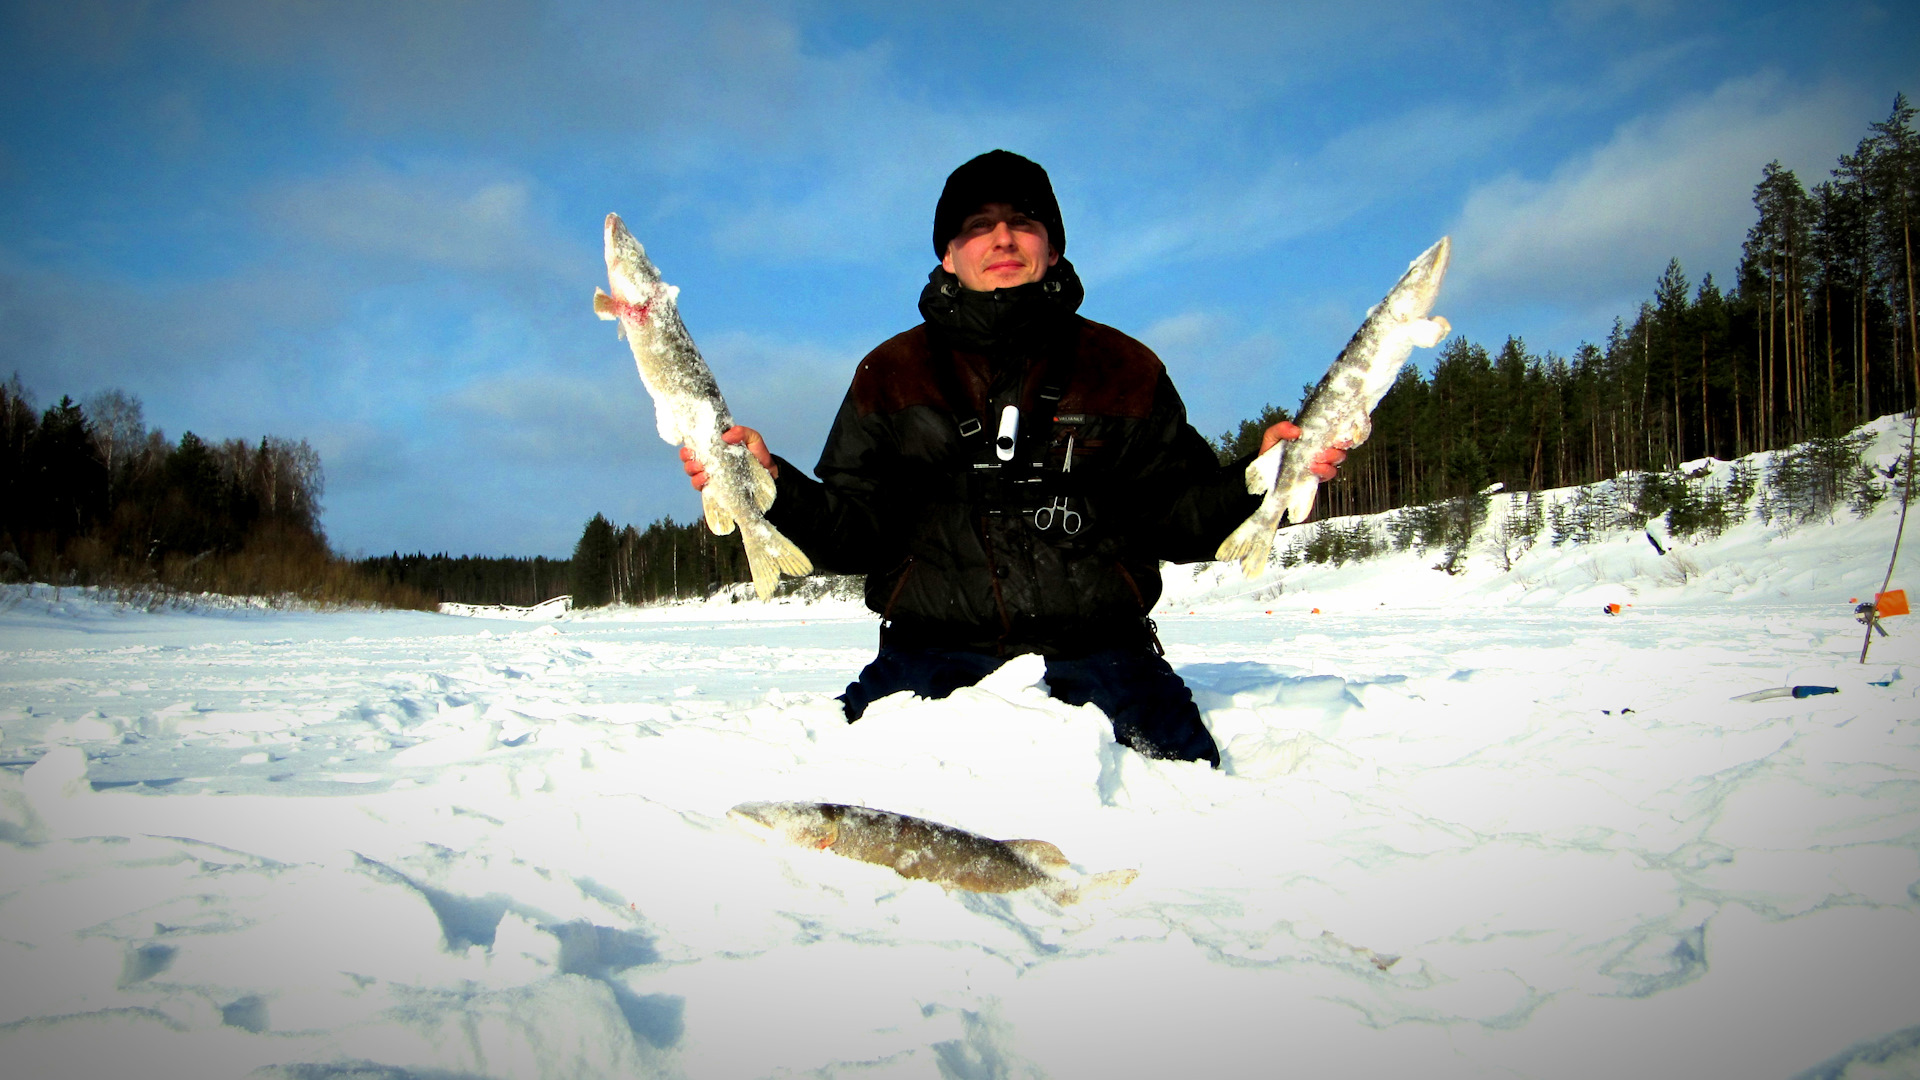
column 1009, row 476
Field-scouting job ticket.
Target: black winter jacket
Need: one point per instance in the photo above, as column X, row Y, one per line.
column 959, row 548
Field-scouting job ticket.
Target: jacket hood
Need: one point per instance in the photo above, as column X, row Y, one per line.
column 992, row 321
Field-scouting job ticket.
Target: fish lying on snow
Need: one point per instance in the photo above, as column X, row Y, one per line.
column 1339, row 412
column 689, row 410
column 927, row 850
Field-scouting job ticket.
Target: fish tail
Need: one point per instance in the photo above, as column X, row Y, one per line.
column 769, row 555
column 1066, row 892
column 1100, row 886
column 1249, row 544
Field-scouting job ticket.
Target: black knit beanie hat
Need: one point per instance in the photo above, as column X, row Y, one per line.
column 997, row 176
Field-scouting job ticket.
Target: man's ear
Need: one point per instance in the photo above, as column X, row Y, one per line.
column 1053, row 255
column 946, row 261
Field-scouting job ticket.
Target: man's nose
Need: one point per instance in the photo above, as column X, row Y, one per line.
column 1002, row 235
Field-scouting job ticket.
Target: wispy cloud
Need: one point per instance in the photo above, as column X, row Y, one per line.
column 451, row 219
column 788, row 389
column 1675, row 184
column 540, row 419
column 1299, row 195
column 1226, row 370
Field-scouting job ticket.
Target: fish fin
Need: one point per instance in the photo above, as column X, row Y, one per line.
column 719, row 519
column 603, row 307
column 763, row 484
column 1265, row 469
column 769, row 555
column 1357, row 432
column 1300, row 504
column 663, row 421
column 1426, row 333
column 1039, row 853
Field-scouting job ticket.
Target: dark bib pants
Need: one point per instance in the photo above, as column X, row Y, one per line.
column 1151, row 709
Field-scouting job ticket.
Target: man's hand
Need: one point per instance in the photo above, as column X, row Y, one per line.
column 736, row 435
column 1325, row 464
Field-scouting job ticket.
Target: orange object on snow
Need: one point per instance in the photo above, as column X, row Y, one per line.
column 1613, row 609
column 1892, row 602
column 1316, row 611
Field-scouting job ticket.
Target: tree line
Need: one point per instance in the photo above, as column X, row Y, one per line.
column 1816, row 335
column 90, row 496
column 610, row 564
column 665, row 561
column 473, row 579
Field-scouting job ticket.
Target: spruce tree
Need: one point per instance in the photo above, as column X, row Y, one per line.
column 593, row 564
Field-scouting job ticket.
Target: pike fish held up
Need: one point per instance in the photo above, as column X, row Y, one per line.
column 1339, row 413
column 688, row 409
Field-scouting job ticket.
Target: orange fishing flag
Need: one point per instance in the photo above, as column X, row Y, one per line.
column 1893, row 602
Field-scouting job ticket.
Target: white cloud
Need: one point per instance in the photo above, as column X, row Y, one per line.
column 552, row 418
column 1224, row 371
column 1673, row 185
column 447, row 218
column 787, row 390
column 1298, row 194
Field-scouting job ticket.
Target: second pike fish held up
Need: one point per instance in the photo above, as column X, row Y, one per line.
column 689, row 410
column 1340, row 411
column 927, row 850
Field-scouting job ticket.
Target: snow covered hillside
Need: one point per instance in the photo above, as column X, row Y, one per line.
column 1470, row 825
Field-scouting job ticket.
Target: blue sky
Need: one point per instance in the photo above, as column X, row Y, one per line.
column 375, row 225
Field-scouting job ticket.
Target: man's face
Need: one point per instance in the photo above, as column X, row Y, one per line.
column 997, row 248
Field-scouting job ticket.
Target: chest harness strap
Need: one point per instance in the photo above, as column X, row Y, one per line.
column 991, row 482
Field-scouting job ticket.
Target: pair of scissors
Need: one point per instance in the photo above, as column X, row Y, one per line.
column 1057, row 512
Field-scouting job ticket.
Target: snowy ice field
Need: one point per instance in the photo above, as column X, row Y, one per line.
column 1469, row 826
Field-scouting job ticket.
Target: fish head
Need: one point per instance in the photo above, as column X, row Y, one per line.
column 1412, row 297
column 800, row 824
column 631, row 273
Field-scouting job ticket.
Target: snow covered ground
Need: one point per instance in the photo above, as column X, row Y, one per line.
column 1469, row 826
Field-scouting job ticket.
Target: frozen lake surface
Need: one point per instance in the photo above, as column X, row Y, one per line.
column 1469, row 826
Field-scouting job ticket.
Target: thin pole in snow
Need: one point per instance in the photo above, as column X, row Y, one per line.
column 1906, row 496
